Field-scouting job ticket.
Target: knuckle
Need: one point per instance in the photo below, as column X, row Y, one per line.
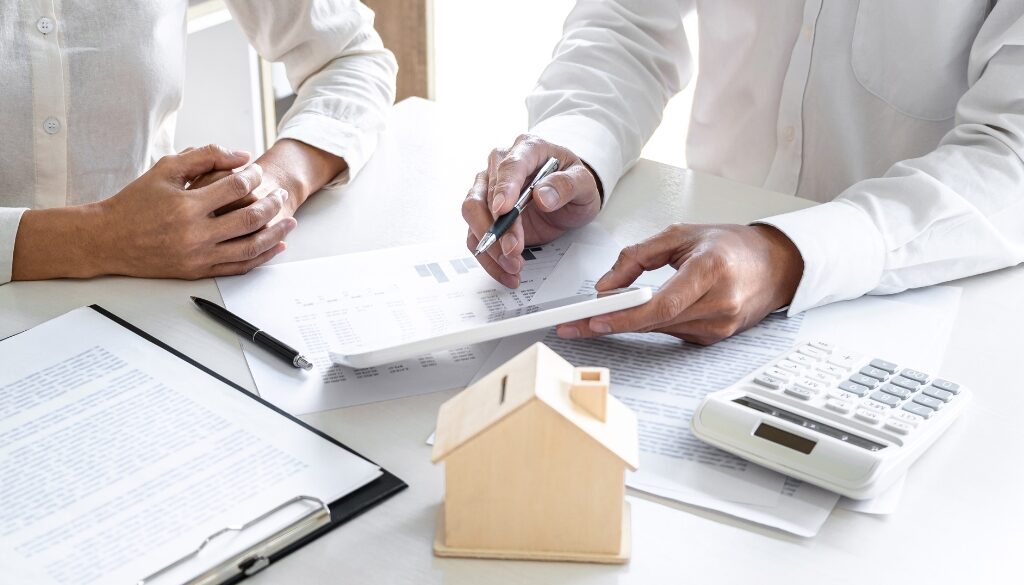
column 239, row 184
column 251, row 249
column 629, row 253
column 731, row 305
column 669, row 307
column 252, row 218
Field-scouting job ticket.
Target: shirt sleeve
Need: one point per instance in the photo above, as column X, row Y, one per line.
column 954, row 212
column 343, row 76
column 616, row 66
column 10, row 217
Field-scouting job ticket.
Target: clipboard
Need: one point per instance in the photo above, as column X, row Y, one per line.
column 325, row 517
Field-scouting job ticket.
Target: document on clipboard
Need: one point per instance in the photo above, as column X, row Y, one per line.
column 122, row 461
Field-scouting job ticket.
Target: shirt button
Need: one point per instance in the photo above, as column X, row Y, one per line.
column 51, row 125
column 788, row 133
column 45, row 25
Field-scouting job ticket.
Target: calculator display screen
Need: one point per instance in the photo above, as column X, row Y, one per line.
column 784, row 438
column 811, row 425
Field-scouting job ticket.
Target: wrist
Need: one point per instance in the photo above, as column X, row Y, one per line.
column 785, row 262
column 298, row 168
column 61, row 243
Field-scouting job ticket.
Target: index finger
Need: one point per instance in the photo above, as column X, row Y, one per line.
column 512, row 173
column 231, row 188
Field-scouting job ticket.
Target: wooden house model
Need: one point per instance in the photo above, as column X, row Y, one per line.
column 535, row 456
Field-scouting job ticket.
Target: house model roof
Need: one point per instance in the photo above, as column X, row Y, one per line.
column 538, row 373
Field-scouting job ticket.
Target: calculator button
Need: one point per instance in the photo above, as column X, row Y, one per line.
column 864, row 380
column 769, row 381
column 905, row 383
column 942, row 395
column 840, row 406
column 914, row 375
column 900, row 428
column 874, row 372
column 803, row 360
column 868, row 416
column 918, row 409
column 896, row 391
column 820, row 377
column 854, row 388
column 883, row 365
column 801, row 393
column 933, row 403
column 823, row 346
column 842, row 395
column 790, row 367
column 845, row 360
column 907, row 417
column 779, row 373
column 810, row 352
column 946, row 385
column 810, row 385
column 885, row 398
column 831, row 370
column 875, row 405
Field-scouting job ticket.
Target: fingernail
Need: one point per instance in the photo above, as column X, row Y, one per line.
column 497, row 202
column 548, row 197
column 291, row 223
column 508, row 243
column 568, row 332
column 600, row 327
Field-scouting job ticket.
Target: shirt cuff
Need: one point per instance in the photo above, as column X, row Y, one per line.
column 590, row 141
column 337, row 137
column 10, row 218
column 843, row 253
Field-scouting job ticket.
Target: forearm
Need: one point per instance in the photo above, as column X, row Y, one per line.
column 59, row 243
column 298, row 168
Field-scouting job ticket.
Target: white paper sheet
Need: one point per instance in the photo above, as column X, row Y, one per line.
column 664, row 380
column 365, row 300
column 117, row 457
column 885, row 503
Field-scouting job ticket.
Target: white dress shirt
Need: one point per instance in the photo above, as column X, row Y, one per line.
column 90, row 91
column 905, row 116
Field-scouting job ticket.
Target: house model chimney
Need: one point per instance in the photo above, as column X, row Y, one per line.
column 589, row 390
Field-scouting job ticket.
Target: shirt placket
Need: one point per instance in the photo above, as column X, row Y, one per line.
column 49, row 107
column 784, row 174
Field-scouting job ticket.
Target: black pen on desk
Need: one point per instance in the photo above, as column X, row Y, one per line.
column 504, row 222
column 257, row 335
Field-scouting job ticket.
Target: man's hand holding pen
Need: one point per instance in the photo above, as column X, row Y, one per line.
column 566, row 199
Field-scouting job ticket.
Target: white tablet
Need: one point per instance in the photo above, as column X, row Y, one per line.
column 511, row 322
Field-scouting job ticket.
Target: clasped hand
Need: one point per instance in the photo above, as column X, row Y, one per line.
column 158, row 227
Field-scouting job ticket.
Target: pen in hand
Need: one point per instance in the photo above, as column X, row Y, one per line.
column 257, row 335
column 506, row 220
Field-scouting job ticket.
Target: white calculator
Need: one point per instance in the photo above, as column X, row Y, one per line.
column 848, row 422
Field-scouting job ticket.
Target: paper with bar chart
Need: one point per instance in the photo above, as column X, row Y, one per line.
column 367, row 300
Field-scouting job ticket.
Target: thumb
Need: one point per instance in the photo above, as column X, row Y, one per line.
column 197, row 161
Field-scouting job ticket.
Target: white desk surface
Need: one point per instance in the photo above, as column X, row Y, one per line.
column 960, row 520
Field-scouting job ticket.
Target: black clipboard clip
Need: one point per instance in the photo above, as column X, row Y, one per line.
column 255, row 558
